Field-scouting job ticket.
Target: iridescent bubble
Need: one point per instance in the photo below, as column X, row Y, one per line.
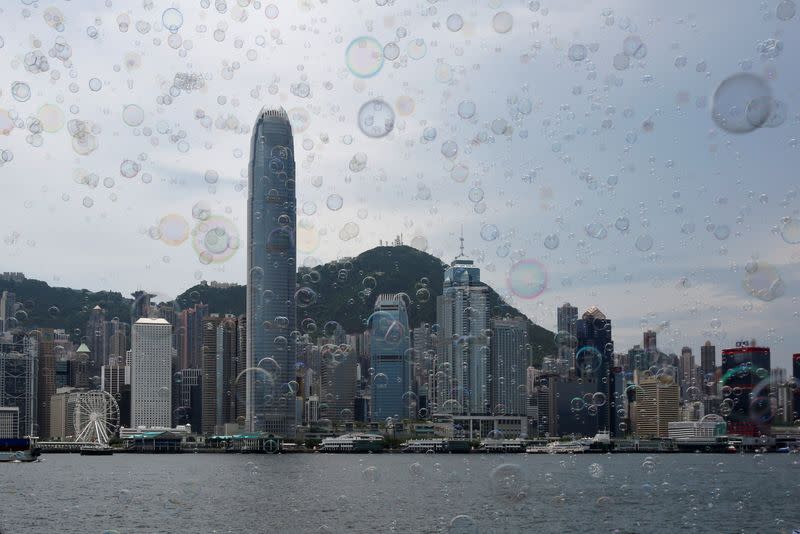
column 216, row 240
column 21, row 91
column 129, row 168
column 376, row 118
column 364, row 57
column 405, row 105
column 502, row 22
column 271, row 12
column 527, row 279
column 334, row 202
column 172, row 19
column 132, row 115
column 455, row 22
column 95, row 84
column 305, row 297
column 742, row 103
column 173, row 229
column 508, row 482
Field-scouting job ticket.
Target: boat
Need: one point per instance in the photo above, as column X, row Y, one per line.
column 559, row 447
column 731, row 449
column 436, row 445
column 352, row 443
column 18, row 450
column 96, row 450
column 503, row 445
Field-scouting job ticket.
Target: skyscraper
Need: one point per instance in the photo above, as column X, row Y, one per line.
column 46, row 377
column 18, row 381
column 567, row 324
column 389, row 343
column 657, row 404
column 509, row 363
column 708, row 361
column 7, row 299
column 745, row 389
column 338, row 383
column 151, row 373
column 271, row 274
column 220, row 351
column 462, row 312
column 594, row 360
column 688, row 375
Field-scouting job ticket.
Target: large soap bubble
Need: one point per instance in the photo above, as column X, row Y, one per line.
column 376, row 118
column 742, row 103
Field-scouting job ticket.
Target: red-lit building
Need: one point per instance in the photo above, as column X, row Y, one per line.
column 745, row 389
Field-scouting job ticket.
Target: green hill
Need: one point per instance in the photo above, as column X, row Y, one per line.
column 343, row 291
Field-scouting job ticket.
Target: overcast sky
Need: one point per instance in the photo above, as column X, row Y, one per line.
column 568, row 118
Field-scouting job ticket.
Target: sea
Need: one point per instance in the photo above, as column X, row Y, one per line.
column 418, row 493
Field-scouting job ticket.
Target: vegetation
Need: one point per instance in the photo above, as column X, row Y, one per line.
column 342, row 292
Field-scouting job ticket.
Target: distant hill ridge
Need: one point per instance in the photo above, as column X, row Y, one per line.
column 343, row 291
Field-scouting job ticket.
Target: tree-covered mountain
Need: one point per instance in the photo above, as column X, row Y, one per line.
column 343, row 291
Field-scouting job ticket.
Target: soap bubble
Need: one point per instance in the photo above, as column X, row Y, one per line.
column 376, row 118
column 364, row 57
column 455, row 22
column 742, row 103
column 786, row 10
column 509, row 483
column 334, row 202
column 577, row 52
column 172, row 19
column 489, row 232
column 502, row 22
column 21, row 91
column 790, row 230
column 132, row 115
column 463, row 524
column 527, row 279
column 644, row 243
column 417, row 49
column 763, row 281
column 173, row 229
column 551, row 241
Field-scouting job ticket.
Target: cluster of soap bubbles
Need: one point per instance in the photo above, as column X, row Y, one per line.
column 743, row 103
column 215, row 239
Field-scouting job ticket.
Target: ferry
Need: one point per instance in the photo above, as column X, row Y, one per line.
column 559, row 447
column 352, row 443
column 436, row 445
column 503, row 445
column 96, row 450
column 18, row 450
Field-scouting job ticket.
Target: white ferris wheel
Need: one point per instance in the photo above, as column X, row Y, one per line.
column 96, row 417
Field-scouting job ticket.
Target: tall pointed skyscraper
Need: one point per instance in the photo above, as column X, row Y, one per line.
column 271, row 276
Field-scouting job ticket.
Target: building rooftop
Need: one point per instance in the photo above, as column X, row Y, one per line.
column 594, row 313
column 83, row 349
column 278, row 112
column 146, row 320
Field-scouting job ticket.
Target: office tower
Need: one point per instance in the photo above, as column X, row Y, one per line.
column 189, row 337
column 509, row 364
column 271, row 273
column 220, row 352
column 423, row 372
column 745, row 389
column 795, row 387
column 117, row 339
column 46, row 377
column 115, row 378
column 708, row 366
column 594, row 359
column 18, row 380
column 63, row 373
column 7, row 300
column 187, row 398
column 62, row 411
column 239, row 387
column 151, row 373
column 637, row 359
column 95, row 336
column 9, row 422
column 391, row 379
column 567, row 330
column 688, row 373
column 338, row 384
column 649, row 341
column 657, row 403
column 141, row 305
column 462, row 312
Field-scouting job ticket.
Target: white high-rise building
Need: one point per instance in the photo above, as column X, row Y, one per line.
column 151, row 374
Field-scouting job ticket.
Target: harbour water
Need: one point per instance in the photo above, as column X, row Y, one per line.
column 136, row 493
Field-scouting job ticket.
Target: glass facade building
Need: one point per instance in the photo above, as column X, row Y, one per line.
column 271, row 277
column 389, row 356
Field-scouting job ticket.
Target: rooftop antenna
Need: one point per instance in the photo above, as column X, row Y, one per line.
column 461, row 246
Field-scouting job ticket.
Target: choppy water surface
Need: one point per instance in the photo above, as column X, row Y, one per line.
column 401, row 493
